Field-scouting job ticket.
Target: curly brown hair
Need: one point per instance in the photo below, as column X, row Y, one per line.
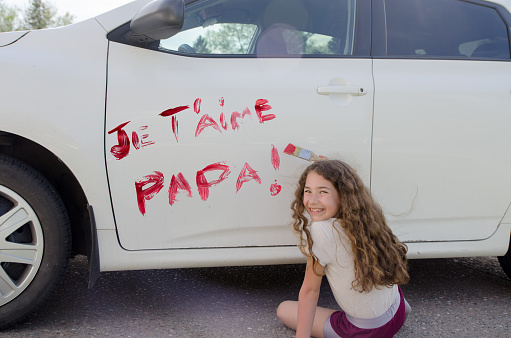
column 380, row 258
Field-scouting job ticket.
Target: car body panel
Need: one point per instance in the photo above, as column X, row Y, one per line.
column 8, row 38
column 505, row 3
column 55, row 94
column 65, row 111
column 115, row 258
column 117, row 17
column 245, row 210
column 439, row 124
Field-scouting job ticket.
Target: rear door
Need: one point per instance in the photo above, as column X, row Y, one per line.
column 198, row 126
column 441, row 158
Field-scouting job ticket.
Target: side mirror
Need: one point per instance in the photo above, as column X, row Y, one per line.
column 159, row 19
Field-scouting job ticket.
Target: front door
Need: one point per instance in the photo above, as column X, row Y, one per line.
column 199, row 130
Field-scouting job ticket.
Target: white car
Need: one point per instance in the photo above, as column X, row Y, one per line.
column 171, row 133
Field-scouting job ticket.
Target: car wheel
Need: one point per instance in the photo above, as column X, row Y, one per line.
column 505, row 261
column 35, row 240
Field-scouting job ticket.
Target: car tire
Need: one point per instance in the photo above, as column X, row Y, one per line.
column 505, row 261
column 35, row 240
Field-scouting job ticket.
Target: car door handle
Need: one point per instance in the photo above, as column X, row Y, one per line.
column 352, row 90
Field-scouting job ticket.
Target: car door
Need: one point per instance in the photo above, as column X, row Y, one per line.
column 199, row 126
column 442, row 95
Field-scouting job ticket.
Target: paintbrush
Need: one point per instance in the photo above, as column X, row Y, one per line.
column 302, row 153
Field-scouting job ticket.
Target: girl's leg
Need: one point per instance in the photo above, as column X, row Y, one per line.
column 288, row 314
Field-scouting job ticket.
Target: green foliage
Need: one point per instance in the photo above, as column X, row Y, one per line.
column 200, row 45
column 63, row 20
column 314, row 47
column 230, row 39
column 314, row 44
column 38, row 15
column 8, row 17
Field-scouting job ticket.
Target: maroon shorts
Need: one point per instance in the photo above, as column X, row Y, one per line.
column 341, row 326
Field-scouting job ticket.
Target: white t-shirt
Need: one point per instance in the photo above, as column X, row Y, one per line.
column 335, row 254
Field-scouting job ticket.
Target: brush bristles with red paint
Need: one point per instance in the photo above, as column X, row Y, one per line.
column 302, row 153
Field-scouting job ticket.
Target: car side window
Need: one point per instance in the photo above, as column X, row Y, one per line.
column 445, row 29
column 283, row 28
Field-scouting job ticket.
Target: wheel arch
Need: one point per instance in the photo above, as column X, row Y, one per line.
column 64, row 181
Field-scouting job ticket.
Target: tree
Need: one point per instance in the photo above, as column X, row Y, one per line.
column 8, row 17
column 39, row 14
column 64, row 20
column 230, row 39
column 200, row 45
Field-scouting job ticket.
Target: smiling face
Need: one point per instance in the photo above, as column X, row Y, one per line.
column 320, row 197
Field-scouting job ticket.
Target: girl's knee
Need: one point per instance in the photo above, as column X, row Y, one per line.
column 286, row 310
column 283, row 308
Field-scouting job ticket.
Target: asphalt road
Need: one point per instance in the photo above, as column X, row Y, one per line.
column 469, row 297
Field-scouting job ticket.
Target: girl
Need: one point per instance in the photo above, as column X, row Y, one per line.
column 349, row 242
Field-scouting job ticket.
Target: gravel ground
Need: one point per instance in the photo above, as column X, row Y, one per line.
column 468, row 297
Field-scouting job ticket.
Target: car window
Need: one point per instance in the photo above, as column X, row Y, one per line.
column 445, row 28
column 221, row 38
column 266, row 28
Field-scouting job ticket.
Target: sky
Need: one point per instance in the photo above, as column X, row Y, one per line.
column 81, row 9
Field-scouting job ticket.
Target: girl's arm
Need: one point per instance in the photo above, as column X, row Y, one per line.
column 308, row 300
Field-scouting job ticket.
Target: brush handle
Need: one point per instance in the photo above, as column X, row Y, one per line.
column 315, row 157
